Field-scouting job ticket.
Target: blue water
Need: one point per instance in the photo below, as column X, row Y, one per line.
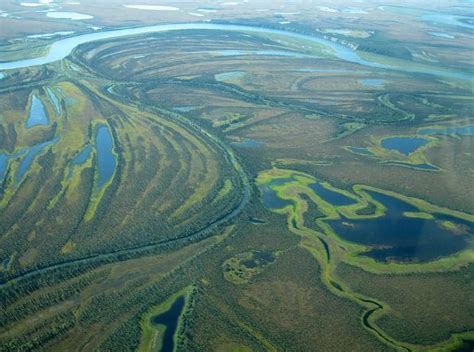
column 372, row 82
column 106, row 159
column 38, row 114
column 170, row 320
column 63, row 47
column 82, row 156
column 30, row 155
column 271, row 200
column 248, row 143
column 332, row 197
column 404, row 145
column 463, row 131
column 394, row 236
column 3, row 166
column 55, row 100
column 269, row 197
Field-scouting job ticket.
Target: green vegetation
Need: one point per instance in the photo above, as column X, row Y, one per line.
column 248, row 180
column 241, row 268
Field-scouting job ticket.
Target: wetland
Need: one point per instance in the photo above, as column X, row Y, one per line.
column 252, row 176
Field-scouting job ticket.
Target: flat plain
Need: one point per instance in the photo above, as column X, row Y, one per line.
column 236, row 176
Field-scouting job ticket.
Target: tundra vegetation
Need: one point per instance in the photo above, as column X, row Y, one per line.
column 239, row 190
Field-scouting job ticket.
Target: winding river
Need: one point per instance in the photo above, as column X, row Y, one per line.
column 63, row 47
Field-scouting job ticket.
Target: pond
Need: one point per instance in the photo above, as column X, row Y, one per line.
column 394, row 236
column 170, row 320
column 38, row 115
column 259, row 259
column 404, row 145
column 106, row 159
column 332, row 197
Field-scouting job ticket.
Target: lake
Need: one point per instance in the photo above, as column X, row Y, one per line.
column 170, row 320
column 30, row 154
column 106, row 159
column 269, row 197
column 395, row 236
column 82, row 156
column 404, row 145
column 38, row 115
column 332, row 197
